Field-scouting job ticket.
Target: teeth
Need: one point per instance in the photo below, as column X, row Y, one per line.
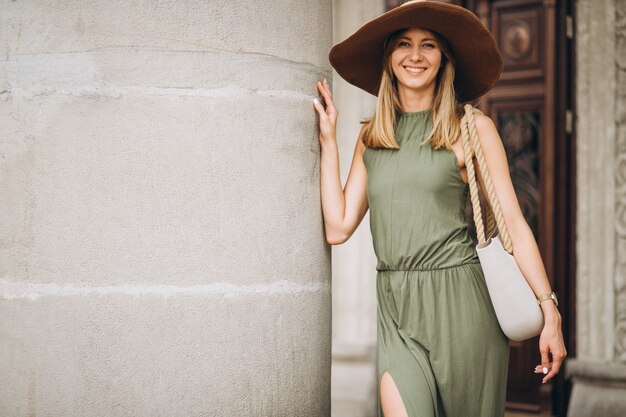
column 415, row 70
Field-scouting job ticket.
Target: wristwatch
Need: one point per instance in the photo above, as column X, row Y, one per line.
column 551, row 296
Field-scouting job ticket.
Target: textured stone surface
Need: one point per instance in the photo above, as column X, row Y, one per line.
column 599, row 388
column 153, row 355
column 598, row 371
column 283, row 28
column 161, row 237
column 160, row 189
column 596, row 188
column 620, row 175
column 354, row 262
column 354, row 387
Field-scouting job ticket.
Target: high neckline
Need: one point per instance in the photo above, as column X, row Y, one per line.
column 414, row 113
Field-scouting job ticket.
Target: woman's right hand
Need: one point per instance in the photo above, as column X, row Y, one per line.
column 328, row 116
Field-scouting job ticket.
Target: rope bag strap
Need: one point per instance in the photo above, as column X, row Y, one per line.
column 470, row 142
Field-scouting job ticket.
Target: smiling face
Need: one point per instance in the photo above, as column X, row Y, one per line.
column 415, row 61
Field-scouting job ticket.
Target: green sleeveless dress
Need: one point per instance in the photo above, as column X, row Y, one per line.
column 438, row 335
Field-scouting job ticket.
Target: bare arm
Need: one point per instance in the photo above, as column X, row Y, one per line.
column 343, row 209
column 525, row 249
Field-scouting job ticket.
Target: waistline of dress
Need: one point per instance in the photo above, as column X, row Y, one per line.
column 385, row 269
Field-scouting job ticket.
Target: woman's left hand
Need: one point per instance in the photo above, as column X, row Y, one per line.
column 551, row 342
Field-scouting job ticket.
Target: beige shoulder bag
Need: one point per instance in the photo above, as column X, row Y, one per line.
column 514, row 302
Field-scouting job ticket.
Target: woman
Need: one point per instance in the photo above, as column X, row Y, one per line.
column 441, row 351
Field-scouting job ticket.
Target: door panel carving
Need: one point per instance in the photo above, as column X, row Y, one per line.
column 519, row 130
column 528, row 106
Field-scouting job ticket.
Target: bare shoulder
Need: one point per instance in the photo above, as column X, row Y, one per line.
column 484, row 123
column 487, row 131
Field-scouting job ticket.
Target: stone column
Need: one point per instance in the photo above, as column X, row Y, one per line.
column 354, row 262
column 599, row 368
column 161, row 240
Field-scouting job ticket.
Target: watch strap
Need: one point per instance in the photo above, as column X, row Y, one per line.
column 551, row 296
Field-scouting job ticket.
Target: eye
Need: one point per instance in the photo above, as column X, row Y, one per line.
column 402, row 43
column 429, row 45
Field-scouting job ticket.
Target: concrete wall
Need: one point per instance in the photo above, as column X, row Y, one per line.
column 161, row 239
column 354, row 262
column 599, row 368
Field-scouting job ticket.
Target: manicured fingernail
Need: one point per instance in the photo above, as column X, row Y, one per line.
column 545, row 370
column 316, row 101
column 325, row 82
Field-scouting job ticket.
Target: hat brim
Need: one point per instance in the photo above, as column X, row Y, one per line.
column 358, row 59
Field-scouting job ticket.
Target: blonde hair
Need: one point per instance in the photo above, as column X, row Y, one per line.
column 447, row 111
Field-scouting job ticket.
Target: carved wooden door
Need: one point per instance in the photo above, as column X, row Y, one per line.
column 531, row 107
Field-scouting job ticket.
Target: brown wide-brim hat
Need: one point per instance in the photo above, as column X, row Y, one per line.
column 358, row 59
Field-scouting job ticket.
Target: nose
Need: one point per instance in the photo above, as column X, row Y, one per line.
column 417, row 54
